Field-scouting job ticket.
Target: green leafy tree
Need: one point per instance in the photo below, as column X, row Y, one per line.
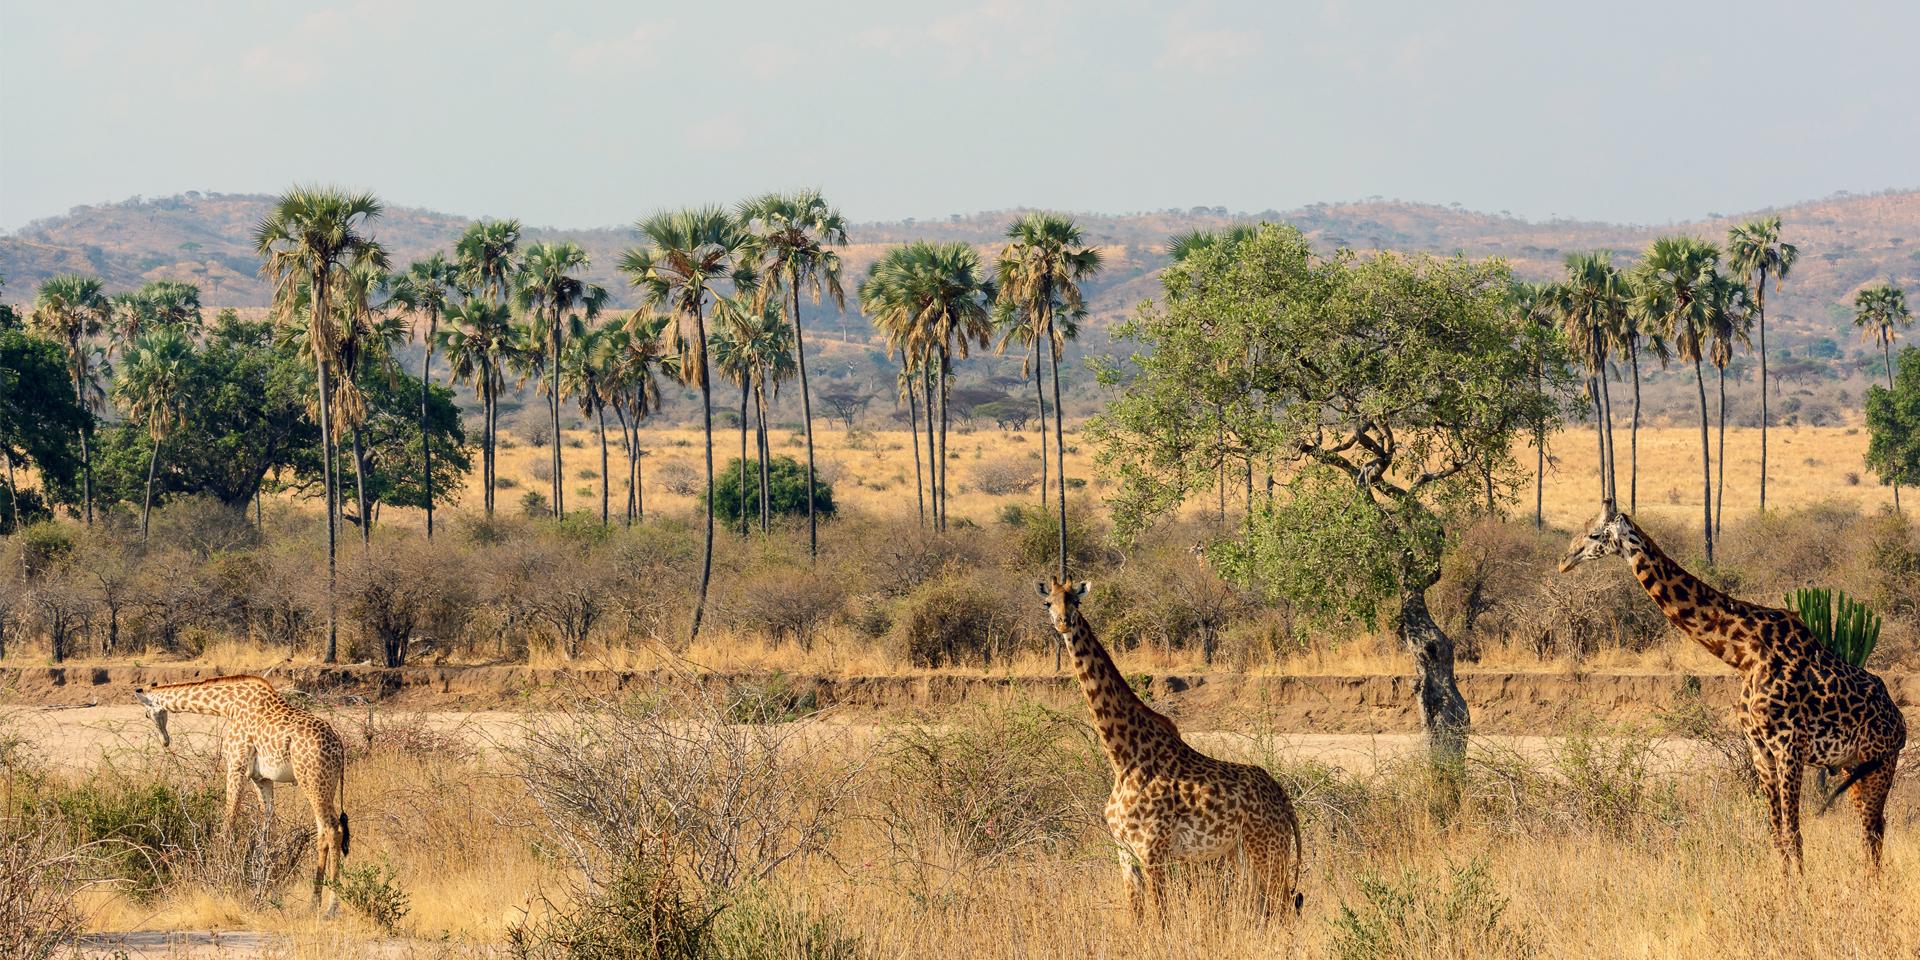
column 153, row 376
column 551, row 290
column 309, row 237
column 1893, row 424
column 1040, row 271
column 1755, row 252
column 425, row 290
column 1397, row 383
column 787, row 496
column 752, row 347
column 1673, row 288
column 40, row 421
column 689, row 254
column 1881, row 313
column 71, row 310
column 795, row 232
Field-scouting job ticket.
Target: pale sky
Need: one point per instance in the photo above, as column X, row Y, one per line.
column 582, row 114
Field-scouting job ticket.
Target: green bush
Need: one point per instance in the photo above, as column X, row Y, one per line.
column 644, row 914
column 143, row 831
column 1416, row 917
column 373, row 891
column 786, row 490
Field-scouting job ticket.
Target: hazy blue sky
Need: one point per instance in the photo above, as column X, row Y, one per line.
column 591, row 113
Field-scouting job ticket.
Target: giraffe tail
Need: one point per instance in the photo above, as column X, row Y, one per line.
column 1853, row 777
column 346, row 834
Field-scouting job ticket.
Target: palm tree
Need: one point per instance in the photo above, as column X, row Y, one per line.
column 688, row 253
column 477, row 342
column 1754, row 250
column 1533, row 304
column 903, row 383
column 584, row 377
column 1590, row 303
column 1639, row 333
column 153, row 370
column 549, row 288
column 369, row 335
column 1040, row 271
column 163, row 303
column 488, row 255
column 425, row 288
column 1672, row 288
column 1881, row 313
column 794, row 231
column 632, row 355
column 1729, row 320
column 71, row 310
column 308, row 237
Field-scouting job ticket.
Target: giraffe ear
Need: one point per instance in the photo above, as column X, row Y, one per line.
column 1080, row 589
column 1040, row 587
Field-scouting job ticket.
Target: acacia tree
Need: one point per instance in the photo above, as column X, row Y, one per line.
column 689, row 253
column 1040, row 271
column 311, row 234
column 1396, row 383
column 1755, row 251
column 71, row 310
column 1893, row 423
column 1881, row 313
column 793, row 234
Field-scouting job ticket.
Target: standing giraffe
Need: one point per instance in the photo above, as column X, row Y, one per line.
column 269, row 741
column 1170, row 802
column 1800, row 703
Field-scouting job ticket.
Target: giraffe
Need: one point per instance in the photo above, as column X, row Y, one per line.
column 1800, row 703
column 268, row 740
column 1170, row 802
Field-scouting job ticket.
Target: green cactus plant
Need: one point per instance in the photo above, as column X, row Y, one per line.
column 1844, row 624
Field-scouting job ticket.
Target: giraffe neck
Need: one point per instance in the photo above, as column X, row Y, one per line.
column 226, row 698
column 1132, row 733
column 1697, row 608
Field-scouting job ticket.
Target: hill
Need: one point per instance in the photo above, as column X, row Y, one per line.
column 1846, row 241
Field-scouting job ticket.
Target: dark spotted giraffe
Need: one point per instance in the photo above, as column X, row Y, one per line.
column 1170, row 802
column 1800, row 703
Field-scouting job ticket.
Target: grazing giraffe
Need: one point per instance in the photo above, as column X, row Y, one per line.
column 1800, row 703
column 1170, row 802
column 268, row 740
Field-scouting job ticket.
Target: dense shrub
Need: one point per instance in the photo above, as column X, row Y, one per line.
column 405, row 593
column 1005, row 477
column 958, row 620
column 1416, row 917
column 786, row 490
column 783, row 603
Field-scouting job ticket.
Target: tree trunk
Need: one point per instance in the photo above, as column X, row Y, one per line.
column 1443, row 711
column 913, row 423
column 86, row 450
column 765, row 453
column 806, row 411
column 743, row 453
column 553, row 393
column 1606, row 401
column 1599, row 435
column 146, row 506
column 1220, row 444
column 1059, row 442
column 1540, row 455
column 945, row 397
column 319, row 309
column 1886, row 354
column 626, row 450
column 426, row 446
column 706, row 413
column 600, row 411
column 1040, row 408
column 933, row 462
column 1706, row 467
column 1720, row 454
column 1633, row 435
column 1760, row 312
column 360, row 490
column 486, row 445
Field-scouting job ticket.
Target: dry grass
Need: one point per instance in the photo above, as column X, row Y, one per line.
column 1653, row 864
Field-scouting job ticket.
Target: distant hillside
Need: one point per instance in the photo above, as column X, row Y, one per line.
column 1845, row 241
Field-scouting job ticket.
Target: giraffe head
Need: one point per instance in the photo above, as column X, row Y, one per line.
column 1062, row 601
column 157, row 712
column 1608, row 535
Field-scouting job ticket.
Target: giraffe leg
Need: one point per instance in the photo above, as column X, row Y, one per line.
column 326, row 821
column 1870, row 798
column 263, row 789
column 237, row 758
column 1785, row 796
column 1134, row 881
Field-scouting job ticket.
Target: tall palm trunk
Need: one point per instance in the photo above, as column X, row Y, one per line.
column 1059, row 441
column 806, row 410
column 913, row 423
column 626, row 450
column 1040, row 408
column 1720, row 454
column 933, row 462
column 553, row 399
column 1540, row 453
column 706, row 415
column 1760, row 315
column 1633, row 435
column 319, row 309
column 945, row 397
column 1886, row 355
column 743, row 453
column 761, row 448
column 600, row 411
column 426, row 447
column 1599, row 434
column 146, row 506
column 1606, row 401
column 486, row 443
column 360, row 490
column 1706, row 467
column 86, row 431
